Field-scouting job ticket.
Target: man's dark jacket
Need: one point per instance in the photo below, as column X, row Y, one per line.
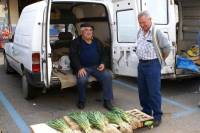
column 75, row 53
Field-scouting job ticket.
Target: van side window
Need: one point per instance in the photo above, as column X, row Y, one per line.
column 158, row 13
column 126, row 26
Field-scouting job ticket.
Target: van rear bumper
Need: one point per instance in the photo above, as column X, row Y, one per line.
column 35, row 79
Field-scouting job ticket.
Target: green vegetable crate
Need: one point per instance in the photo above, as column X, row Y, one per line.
column 116, row 121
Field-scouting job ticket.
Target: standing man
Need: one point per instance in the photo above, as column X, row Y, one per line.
column 86, row 54
column 152, row 49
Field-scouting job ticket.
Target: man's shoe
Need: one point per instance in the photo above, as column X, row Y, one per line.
column 81, row 105
column 108, row 105
column 156, row 123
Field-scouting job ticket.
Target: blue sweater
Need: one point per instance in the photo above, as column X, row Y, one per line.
column 89, row 55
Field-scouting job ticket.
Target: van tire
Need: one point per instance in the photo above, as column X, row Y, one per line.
column 28, row 90
column 8, row 68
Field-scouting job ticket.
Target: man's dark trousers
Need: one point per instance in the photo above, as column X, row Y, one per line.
column 104, row 77
column 149, row 73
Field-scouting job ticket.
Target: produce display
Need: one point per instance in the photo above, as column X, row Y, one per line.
column 98, row 120
column 81, row 119
column 124, row 115
column 60, row 125
column 115, row 121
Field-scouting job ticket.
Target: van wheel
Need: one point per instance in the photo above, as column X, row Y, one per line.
column 7, row 66
column 27, row 89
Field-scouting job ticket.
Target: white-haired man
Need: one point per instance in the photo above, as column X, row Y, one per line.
column 86, row 55
column 152, row 49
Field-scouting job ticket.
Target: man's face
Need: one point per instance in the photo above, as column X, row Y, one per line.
column 145, row 23
column 87, row 33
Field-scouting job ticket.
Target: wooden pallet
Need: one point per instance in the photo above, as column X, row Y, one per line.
column 140, row 116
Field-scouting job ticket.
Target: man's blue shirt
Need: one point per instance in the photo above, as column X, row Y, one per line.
column 89, row 55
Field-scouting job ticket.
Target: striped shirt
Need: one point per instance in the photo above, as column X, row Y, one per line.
column 145, row 49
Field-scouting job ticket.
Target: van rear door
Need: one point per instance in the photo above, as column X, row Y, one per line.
column 125, row 29
column 164, row 18
column 46, row 49
column 126, row 26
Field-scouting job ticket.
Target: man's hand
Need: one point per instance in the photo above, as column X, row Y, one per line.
column 101, row 67
column 82, row 72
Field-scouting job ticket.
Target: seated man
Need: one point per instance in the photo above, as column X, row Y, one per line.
column 86, row 54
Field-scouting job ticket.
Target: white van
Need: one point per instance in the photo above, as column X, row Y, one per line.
column 32, row 52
